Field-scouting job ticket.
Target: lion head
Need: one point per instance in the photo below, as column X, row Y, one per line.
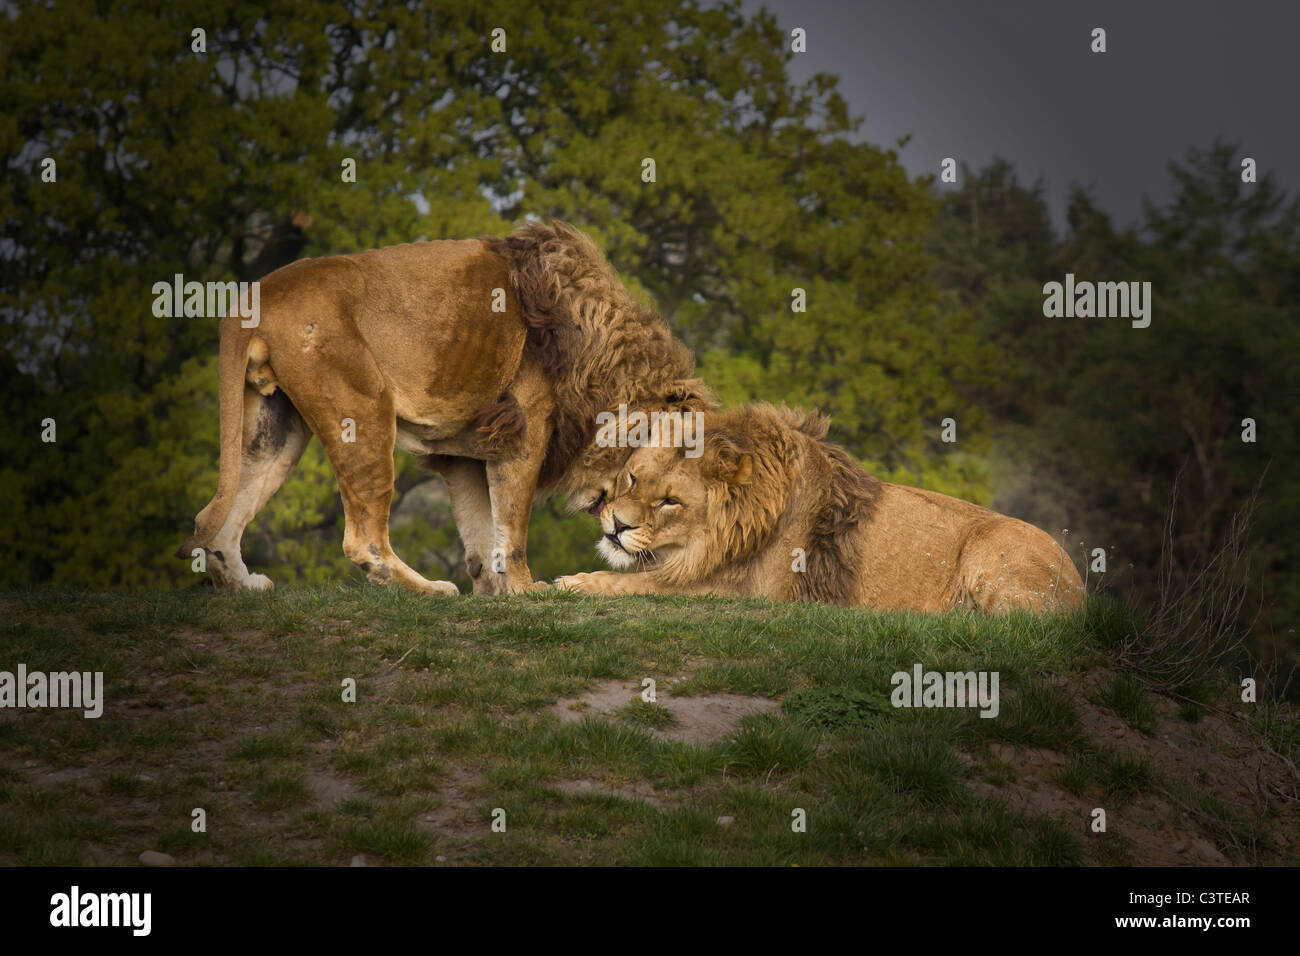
column 685, row 511
column 601, row 346
column 590, row 484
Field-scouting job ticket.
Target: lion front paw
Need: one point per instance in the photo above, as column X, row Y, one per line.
column 585, row 583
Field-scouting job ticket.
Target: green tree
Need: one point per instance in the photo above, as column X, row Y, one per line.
column 225, row 163
column 1095, row 419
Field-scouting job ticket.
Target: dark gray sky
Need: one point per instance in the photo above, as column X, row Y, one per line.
column 976, row 78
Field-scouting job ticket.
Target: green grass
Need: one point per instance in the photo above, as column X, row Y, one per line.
column 1126, row 698
column 232, row 704
column 645, row 714
column 1114, row 776
column 835, row 707
column 1040, row 715
column 768, row 745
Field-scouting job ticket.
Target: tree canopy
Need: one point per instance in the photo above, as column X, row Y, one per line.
column 226, row 163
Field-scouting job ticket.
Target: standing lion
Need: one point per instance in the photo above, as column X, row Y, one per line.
column 487, row 358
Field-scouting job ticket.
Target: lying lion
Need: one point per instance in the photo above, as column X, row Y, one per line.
column 490, row 359
column 772, row 510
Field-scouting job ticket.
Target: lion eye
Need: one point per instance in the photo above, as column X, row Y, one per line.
column 668, row 501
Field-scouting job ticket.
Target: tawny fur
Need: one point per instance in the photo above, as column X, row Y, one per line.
column 603, row 347
column 403, row 343
column 772, row 510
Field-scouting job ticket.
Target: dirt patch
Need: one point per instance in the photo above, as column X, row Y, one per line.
column 454, row 816
column 330, row 790
column 39, row 774
column 1216, row 755
column 1215, row 752
column 699, row 719
column 1141, row 824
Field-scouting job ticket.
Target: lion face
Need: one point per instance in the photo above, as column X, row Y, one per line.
column 592, row 479
column 590, row 484
column 658, row 498
column 665, row 504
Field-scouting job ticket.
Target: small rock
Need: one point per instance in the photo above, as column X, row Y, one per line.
column 440, row 858
column 1120, row 731
column 430, row 818
column 154, row 858
column 1180, row 846
column 726, row 821
column 358, row 860
column 1210, row 851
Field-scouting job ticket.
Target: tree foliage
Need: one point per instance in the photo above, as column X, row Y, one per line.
column 1096, row 419
column 225, row 164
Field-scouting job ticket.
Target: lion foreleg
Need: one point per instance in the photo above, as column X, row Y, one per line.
column 512, row 482
column 511, row 486
column 612, row 583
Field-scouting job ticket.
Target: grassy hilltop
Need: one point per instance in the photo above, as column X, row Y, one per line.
column 233, row 704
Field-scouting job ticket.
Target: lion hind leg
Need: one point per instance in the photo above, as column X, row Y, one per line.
column 274, row 438
column 367, row 492
column 1007, row 564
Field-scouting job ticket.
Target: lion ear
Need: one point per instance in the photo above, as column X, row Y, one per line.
column 744, row 471
column 728, row 459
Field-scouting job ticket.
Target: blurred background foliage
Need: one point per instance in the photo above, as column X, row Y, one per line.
column 923, row 303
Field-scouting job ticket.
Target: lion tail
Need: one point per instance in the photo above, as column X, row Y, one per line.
column 232, row 368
